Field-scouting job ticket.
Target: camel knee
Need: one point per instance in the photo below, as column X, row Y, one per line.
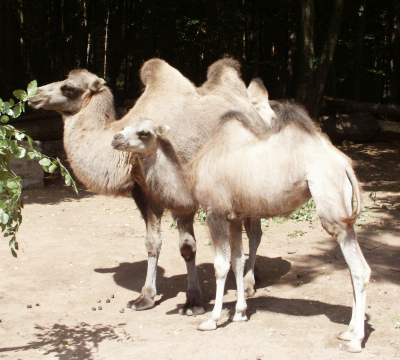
column 153, row 248
column 221, row 268
column 188, row 249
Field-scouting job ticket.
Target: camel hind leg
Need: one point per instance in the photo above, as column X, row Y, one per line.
column 219, row 231
column 332, row 220
column 254, row 233
column 188, row 249
column 237, row 261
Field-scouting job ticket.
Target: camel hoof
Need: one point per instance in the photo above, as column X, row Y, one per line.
column 352, row 347
column 346, row 335
column 192, row 307
column 141, row 303
column 239, row 316
column 207, row 325
column 249, row 292
column 195, row 310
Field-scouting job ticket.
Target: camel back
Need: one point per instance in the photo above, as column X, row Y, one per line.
column 191, row 113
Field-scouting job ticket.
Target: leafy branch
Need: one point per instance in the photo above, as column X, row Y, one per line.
column 16, row 144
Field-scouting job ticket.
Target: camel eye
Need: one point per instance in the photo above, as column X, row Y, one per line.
column 144, row 134
column 69, row 91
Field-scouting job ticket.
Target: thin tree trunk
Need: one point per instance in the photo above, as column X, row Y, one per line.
column 106, row 44
column 358, row 53
column 307, row 55
column 395, row 55
column 316, row 94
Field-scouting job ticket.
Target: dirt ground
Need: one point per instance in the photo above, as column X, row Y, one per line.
column 79, row 250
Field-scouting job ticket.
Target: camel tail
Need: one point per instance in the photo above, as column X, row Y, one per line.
column 356, row 192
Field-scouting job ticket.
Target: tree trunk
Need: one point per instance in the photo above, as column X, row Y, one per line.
column 394, row 74
column 358, row 52
column 317, row 92
column 307, row 54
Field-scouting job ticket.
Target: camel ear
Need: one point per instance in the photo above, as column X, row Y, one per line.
column 162, row 130
column 97, row 84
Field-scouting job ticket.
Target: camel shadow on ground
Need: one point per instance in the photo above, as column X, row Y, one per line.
column 130, row 276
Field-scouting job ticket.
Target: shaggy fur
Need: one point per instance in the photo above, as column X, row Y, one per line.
column 241, row 172
column 169, row 98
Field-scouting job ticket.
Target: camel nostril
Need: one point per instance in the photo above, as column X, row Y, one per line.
column 118, row 136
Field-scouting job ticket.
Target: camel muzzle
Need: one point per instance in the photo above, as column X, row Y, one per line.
column 118, row 141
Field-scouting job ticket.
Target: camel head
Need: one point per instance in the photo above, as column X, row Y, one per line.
column 70, row 95
column 258, row 96
column 141, row 137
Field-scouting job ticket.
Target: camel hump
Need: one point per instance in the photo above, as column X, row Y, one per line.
column 217, row 69
column 257, row 89
column 151, row 69
column 293, row 114
column 224, row 74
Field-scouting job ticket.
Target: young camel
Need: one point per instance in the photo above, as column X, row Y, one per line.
column 288, row 164
column 87, row 107
column 284, row 168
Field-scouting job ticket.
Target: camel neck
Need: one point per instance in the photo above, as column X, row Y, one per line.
column 168, row 178
column 87, row 141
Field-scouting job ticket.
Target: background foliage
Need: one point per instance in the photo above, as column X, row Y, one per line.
column 284, row 42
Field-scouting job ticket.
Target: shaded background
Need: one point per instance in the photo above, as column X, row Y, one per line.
column 300, row 48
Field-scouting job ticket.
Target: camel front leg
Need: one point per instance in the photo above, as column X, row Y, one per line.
column 254, row 233
column 152, row 214
column 219, row 230
column 238, row 260
column 188, row 249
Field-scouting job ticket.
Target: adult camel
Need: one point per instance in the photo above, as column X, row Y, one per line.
column 87, row 108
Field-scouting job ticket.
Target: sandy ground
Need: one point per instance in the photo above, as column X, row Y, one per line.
column 79, row 251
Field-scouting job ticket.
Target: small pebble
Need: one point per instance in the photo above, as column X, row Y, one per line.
column 122, row 310
column 99, row 301
column 100, row 308
column 93, row 308
column 29, row 306
column 369, row 306
column 107, row 301
column 112, row 296
column 83, row 324
column 37, row 304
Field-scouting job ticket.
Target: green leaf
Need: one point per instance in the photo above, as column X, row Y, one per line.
column 17, row 111
column 19, row 135
column 32, row 89
column 20, row 153
column 11, row 184
column 4, row 218
column 52, row 168
column 13, row 253
column 5, row 106
column 20, row 94
column 45, row 162
column 68, row 179
column 3, row 205
column 12, row 102
column 1, row 103
column 4, row 119
column 31, row 155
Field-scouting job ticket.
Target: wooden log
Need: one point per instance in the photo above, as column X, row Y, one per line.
column 391, row 111
column 356, row 127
